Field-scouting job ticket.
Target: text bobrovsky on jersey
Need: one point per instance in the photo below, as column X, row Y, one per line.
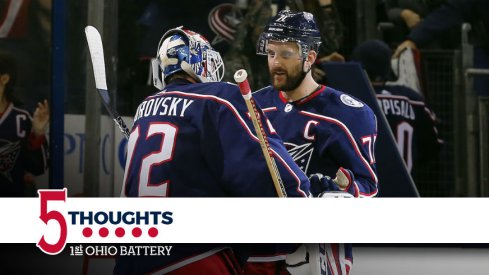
column 163, row 106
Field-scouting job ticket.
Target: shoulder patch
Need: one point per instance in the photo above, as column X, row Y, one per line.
column 350, row 101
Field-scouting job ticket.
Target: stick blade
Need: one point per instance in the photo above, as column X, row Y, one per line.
column 97, row 55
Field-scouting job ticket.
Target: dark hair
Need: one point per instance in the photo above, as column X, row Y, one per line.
column 9, row 66
column 176, row 76
column 375, row 56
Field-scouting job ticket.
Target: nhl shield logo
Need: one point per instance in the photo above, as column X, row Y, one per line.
column 350, row 101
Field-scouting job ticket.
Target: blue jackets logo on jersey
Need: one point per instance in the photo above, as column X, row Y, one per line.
column 9, row 151
column 301, row 154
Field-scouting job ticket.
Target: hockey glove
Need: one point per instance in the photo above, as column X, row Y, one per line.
column 344, row 182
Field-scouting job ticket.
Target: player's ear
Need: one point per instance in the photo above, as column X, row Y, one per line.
column 310, row 59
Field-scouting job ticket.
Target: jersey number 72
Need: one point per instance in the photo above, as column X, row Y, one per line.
column 164, row 154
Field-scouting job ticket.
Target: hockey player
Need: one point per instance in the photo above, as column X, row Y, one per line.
column 23, row 144
column 412, row 122
column 195, row 139
column 324, row 130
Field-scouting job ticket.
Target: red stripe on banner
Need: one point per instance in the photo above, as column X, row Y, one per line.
column 219, row 22
column 221, row 28
column 336, row 254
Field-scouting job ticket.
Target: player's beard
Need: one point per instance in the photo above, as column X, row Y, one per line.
column 292, row 79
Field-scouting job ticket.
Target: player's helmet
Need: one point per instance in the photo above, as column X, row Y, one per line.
column 184, row 50
column 289, row 26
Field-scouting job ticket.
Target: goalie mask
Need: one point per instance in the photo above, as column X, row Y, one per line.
column 184, row 50
column 289, row 26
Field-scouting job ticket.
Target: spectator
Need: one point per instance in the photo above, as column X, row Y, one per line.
column 410, row 119
column 406, row 14
column 243, row 24
column 25, row 32
column 330, row 27
column 449, row 15
column 240, row 54
column 23, row 144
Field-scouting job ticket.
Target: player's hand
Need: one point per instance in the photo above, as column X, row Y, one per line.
column 343, row 182
column 320, row 183
column 402, row 46
column 410, row 18
column 40, row 118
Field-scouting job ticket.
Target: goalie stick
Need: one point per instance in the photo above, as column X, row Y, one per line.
column 241, row 78
column 98, row 63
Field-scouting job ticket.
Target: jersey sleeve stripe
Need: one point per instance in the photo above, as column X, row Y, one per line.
column 231, row 107
column 269, row 109
column 6, row 113
column 298, row 181
column 22, row 111
column 350, row 137
column 413, row 102
column 369, row 195
column 430, row 114
column 219, row 100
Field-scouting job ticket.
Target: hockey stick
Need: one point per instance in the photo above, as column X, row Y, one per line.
column 241, row 78
column 98, row 63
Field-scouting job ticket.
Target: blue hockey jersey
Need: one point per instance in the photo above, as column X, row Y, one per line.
column 197, row 140
column 325, row 131
column 20, row 151
column 412, row 123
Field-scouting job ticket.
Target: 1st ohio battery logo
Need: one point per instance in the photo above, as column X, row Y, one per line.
column 101, row 221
